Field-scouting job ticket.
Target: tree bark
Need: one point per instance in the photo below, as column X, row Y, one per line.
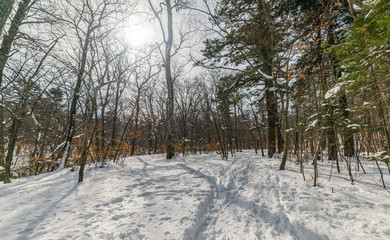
column 16, row 123
column 168, row 76
column 115, row 122
column 271, row 107
column 279, row 134
column 76, row 95
column 256, row 118
column 168, row 41
column 2, row 142
column 5, row 10
column 349, row 149
column 332, row 135
column 88, row 128
column 137, row 110
column 9, row 38
column 352, row 9
column 285, row 107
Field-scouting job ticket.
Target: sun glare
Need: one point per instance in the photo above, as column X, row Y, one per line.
column 139, row 36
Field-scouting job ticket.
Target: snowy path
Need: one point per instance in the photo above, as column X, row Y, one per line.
column 197, row 197
column 252, row 200
column 245, row 195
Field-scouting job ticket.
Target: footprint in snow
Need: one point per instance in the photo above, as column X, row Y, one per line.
column 117, row 217
column 117, row 200
column 145, row 194
column 165, row 218
column 87, row 216
column 184, row 219
column 149, row 204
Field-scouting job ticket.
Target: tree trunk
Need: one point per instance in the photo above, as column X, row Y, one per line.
column 384, row 124
column 315, row 158
column 250, row 129
column 279, row 134
column 285, row 107
column 76, row 95
column 9, row 38
column 87, row 131
column 5, row 10
column 16, row 123
column 236, row 128
column 352, row 9
column 152, row 126
column 137, row 110
column 114, row 122
column 169, row 79
column 271, row 106
column 271, row 123
column 102, row 135
column 296, row 145
column 381, row 111
column 258, row 130
column 349, row 149
column 2, row 142
column 271, row 131
column 332, row 148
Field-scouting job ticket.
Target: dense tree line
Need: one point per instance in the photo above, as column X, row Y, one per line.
column 312, row 59
column 305, row 79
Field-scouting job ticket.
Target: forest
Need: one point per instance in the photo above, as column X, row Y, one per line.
column 88, row 82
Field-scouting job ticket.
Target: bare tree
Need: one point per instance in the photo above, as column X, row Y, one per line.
column 5, row 11
column 142, row 77
column 6, row 44
column 85, row 18
column 167, row 35
column 25, row 81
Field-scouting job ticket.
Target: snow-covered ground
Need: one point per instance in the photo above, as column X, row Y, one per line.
column 197, row 197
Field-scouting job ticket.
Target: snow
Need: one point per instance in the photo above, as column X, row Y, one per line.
column 290, row 130
column 197, row 197
column 312, row 124
column 269, row 77
column 353, row 126
column 381, row 155
column 333, row 91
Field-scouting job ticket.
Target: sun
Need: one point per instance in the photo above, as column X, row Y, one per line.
column 139, row 35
